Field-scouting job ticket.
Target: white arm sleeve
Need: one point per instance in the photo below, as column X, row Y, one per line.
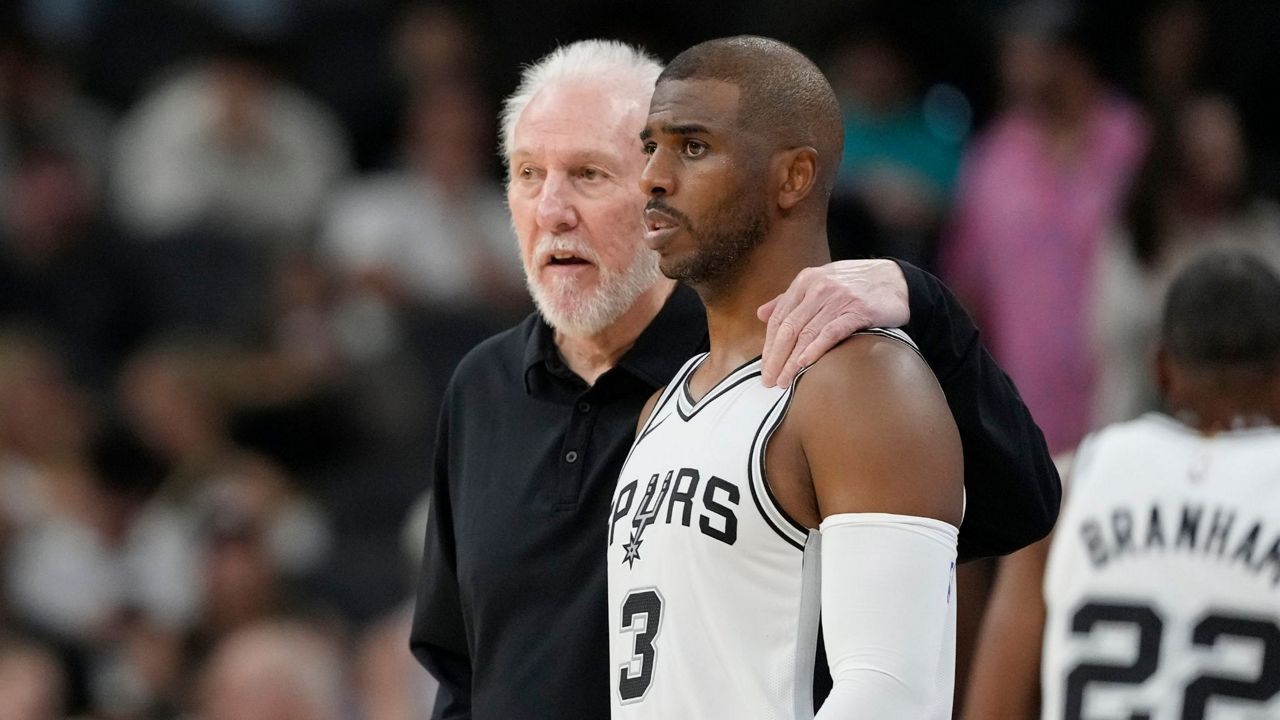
column 888, row 616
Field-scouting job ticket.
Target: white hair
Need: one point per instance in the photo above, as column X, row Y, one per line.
column 614, row 63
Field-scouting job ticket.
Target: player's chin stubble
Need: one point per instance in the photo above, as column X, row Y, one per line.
column 720, row 252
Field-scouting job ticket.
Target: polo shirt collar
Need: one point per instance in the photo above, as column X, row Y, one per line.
column 677, row 333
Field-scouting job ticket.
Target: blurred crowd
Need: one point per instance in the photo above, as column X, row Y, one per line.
column 244, row 242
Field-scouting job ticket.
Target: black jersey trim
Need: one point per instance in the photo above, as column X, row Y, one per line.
column 894, row 334
column 640, row 438
column 672, row 388
column 726, row 384
column 664, row 399
column 764, row 474
column 751, row 476
column 762, row 437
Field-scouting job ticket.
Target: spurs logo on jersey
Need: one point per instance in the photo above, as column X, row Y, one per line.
column 713, row 589
column 1163, row 583
column 678, row 494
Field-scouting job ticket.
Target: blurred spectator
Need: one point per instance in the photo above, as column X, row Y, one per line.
column 39, row 103
column 60, row 568
column 60, row 271
column 75, row 569
column 173, row 401
column 1193, row 194
column 434, row 45
column 901, row 145
column 273, row 671
column 425, row 266
column 32, row 683
column 224, row 144
column 392, row 684
column 436, row 232
column 226, row 535
column 218, row 546
column 139, row 672
column 301, row 312
column 1174, row 45
column 241, row 582
column 356, row 382
column 1036, row 194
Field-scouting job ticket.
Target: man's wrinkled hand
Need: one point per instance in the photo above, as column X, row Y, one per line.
column 823, row 306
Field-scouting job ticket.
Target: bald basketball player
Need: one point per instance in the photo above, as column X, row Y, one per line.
column 745, row 513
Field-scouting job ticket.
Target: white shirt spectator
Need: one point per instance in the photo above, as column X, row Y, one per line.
column 437, row 250
column 224, row 143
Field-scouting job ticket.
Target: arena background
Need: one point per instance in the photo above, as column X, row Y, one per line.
column 244, row 242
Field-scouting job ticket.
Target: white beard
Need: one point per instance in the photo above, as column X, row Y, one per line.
column 579, row 312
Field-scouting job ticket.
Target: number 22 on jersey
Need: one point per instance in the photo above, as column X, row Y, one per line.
column 1252, row 635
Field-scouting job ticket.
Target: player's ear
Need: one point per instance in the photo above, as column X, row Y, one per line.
column 797, row 173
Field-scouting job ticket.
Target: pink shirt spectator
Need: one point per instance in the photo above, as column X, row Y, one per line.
column 1027, row 228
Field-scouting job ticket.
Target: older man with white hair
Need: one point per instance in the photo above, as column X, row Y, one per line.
column 537, row 420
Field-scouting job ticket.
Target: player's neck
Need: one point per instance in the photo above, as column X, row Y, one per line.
column 736, row 332
column 590, row 356
column 1223, row 400
column 1211, row 418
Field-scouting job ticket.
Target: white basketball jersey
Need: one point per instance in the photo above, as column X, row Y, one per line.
column 713, row 590
column 1163, row 581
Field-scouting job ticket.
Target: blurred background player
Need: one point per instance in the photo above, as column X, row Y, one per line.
column 1160, row 584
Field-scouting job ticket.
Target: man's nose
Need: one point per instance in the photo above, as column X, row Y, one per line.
column 657, row 179
column 556, row 212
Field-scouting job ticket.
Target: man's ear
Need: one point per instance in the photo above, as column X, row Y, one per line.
column 797, row 173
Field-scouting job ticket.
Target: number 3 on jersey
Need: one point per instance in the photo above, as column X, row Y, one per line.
column 642, row 615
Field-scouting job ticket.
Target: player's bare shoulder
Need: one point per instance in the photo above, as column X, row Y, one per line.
column 876, row 431
column 870, row 376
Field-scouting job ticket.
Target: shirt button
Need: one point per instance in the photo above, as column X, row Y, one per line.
column 571, row 456
column 584, row 407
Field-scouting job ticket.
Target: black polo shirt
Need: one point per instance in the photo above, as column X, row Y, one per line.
column 527, row 458
column 512, row 597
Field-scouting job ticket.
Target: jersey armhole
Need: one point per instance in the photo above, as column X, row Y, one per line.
column 775, row 516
